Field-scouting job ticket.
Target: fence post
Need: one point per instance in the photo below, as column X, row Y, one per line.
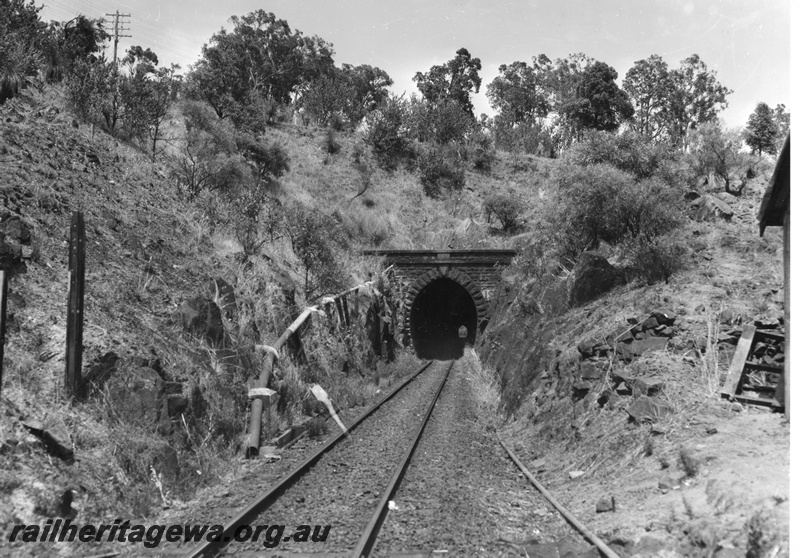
column 3, row 306
column 77, row 260
column 340, row 312
column 346, row 311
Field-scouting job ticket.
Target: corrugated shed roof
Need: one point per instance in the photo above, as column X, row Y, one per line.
column 776, row 198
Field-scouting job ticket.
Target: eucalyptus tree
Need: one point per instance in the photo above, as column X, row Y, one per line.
column 454, row 81
column 761, row 132
column 261, row 58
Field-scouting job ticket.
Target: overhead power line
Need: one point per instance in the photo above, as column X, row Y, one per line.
column 119, row 27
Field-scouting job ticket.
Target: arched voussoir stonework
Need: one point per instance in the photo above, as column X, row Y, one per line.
column 481, row 305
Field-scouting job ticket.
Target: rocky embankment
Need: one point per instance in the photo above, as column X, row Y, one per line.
column 612, row 390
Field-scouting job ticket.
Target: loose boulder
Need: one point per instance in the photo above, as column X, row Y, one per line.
column 628, row 352
column 55, row 437
column 590, row 371
column 647, row 409
column 605, row 504
column 593, row 276
column 647, row 386
column 202, row 317
column 708, row 207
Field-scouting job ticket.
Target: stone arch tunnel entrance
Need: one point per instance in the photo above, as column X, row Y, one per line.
column 438, row 311
column 441, row 291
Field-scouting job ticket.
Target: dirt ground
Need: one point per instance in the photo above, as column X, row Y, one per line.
column 738, row 496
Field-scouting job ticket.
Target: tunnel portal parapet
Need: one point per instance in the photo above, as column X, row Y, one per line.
column 477, row 271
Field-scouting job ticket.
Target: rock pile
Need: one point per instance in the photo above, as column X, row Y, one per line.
column 642, row 334
column 650, row 332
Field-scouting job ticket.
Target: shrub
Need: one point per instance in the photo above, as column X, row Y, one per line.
column 442, row 123
column 359, row 154
column 21, row 36
column 91, row 90
column 329, row 144
column 315, row 240
column 267, row 161
column 367, row 227
column 657, row 259
column 438, row 175
column 244, row 189
column 689, row 463
column 483, row 159
column 506, row 208
column 327, row 99
column 365, row 172
column 387, row 133
column 628, row 152
column 204, row 151
column 715, row 151
column 602, row 203
column 255, row 219
column 483, row 152
column 317, row 427
column 535, row 139
column 17, row 65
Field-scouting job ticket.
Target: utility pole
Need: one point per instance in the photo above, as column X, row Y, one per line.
column 118, row 29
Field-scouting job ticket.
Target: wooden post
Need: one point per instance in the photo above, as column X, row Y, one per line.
column 346, row 311
column 787, row 370
column 77, row 260
column 340, row 312
column 3, row 305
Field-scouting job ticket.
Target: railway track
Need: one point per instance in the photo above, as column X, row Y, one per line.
column 344, row 479
column 414, row 475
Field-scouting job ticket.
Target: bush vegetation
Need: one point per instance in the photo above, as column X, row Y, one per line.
column 621, row 191
column 597, row 203
column 387, row 134
column 629, row 152
column 657, row 259
column 440, row 174
column 316, row 239
column 506, row 208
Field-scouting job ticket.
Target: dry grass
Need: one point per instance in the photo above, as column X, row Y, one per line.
column 709, row 363
column 484, row 382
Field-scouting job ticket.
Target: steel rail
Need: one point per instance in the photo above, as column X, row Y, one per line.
column 266, row 498
column 567, row 515
column 370, row 533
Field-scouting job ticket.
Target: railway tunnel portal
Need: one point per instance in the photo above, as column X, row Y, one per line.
column 445, row 296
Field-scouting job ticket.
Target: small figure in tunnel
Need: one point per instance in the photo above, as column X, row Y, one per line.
column 462, row 332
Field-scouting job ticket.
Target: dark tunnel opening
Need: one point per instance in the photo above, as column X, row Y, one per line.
column 437, row 313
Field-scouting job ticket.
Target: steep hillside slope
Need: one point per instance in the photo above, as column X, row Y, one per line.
column 165, row 410
column 165, row 402
column 146, row 254
column 690, row 474
column 394, row 212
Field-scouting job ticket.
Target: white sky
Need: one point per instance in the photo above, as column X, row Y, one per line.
column 746, row 42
